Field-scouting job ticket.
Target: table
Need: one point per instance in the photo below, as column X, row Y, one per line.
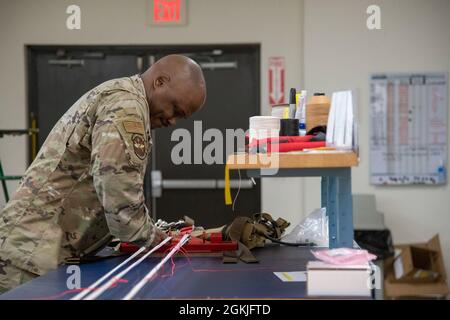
column 199, row 278
column 336, row 189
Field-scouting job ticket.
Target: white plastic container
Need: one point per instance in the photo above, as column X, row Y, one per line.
column 263, row 127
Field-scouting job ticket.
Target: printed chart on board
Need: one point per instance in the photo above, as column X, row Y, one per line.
column 408, row 138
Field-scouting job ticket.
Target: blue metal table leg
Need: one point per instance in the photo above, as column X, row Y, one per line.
column 324, row 196
column 331, row 206
column 337, row 195
column 345, row 210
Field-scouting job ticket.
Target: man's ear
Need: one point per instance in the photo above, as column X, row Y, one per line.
column 161, row 80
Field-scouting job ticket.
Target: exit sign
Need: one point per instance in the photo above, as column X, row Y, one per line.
column 167, row 12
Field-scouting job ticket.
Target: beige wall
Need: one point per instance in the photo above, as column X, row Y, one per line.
column 340, row 52
column 276, row 25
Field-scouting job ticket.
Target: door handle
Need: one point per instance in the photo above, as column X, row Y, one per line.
column 158, row 183
column 67, row 62
column 204, row 184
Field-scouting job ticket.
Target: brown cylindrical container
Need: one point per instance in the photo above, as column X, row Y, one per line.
column 317, row 110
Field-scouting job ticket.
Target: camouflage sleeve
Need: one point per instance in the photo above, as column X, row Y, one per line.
column 119, row 156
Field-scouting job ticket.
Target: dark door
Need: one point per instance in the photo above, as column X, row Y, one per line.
column 196, row 190
column 58, row 76
column 62, row 76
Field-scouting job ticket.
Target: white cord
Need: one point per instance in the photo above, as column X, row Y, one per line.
column 111, row 281
column 96, row 283
column 152, row 272
column 239, row 189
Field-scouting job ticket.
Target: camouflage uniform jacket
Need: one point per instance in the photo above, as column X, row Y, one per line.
column 86, row 184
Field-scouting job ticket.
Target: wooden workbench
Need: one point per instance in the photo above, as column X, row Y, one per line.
column 323, row 159
column 333, row 166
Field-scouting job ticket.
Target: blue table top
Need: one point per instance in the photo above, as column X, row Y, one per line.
column 193, row 278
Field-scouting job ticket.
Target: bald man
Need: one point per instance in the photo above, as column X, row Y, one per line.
column 85, row 186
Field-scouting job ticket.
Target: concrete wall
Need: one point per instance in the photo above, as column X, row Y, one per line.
column 340, row 52
column 276, row 25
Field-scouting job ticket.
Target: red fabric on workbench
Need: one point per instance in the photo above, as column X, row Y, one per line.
column 294, row 146
column 287, row 139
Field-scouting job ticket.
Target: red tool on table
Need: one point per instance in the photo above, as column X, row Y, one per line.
column 205, row 243
column 285, row 144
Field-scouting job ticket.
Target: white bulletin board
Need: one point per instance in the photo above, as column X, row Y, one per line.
column 408, row 134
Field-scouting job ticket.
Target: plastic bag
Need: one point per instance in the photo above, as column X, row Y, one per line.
column 313, row 229
column 344, row 256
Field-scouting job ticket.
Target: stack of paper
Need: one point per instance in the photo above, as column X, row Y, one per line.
column 340, row 121
column 329, row 280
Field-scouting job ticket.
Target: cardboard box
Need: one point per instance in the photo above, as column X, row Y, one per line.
column 416, row 264
column 418, row 271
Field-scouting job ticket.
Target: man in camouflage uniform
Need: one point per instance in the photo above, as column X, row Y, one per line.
column 86, row 184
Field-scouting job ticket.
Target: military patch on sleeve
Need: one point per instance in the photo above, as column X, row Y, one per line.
column 139, row 146
column 134, row 127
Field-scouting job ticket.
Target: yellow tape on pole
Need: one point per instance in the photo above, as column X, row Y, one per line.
column 228, row 201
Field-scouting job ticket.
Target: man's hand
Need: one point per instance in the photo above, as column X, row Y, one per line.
column 159, row 236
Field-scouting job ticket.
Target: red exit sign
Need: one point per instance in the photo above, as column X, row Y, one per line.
column 168, row 12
